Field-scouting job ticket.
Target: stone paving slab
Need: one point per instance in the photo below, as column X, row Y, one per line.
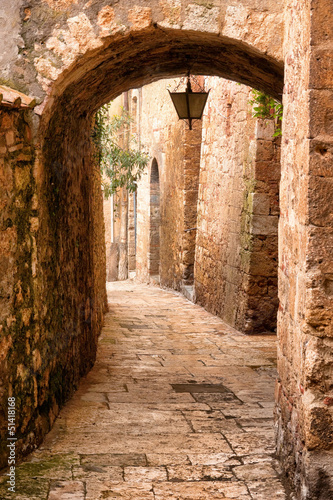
column 202, row 490
column 111, row 490
column 85, row 442
column 178, row 406
column 66, row 490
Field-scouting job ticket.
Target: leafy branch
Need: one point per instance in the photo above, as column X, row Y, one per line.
column 266, row 107
column 118, row 155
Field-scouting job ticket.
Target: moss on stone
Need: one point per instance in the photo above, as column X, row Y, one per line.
column 204, row 3
column 32, row 478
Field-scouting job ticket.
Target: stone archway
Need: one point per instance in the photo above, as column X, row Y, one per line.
column 65, row 40
column 77, row 72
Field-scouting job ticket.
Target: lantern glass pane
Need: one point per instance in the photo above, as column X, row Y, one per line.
column 180, row 103
column 197, row 103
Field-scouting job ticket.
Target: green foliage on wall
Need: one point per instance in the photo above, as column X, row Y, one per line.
column 265, row 107
column 121, row 160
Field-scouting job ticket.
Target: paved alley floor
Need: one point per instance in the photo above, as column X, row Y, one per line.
column 178, row 406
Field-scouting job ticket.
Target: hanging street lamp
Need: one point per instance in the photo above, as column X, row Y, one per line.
column 189, row 105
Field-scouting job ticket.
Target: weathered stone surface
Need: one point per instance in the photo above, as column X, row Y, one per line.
column 260, row 203
column 168, row 208
column 60, row 53
column 150, row 447
column 237, row 215
column 264, row 225
column 66, row 490
column 69, row 29
column 239, row 16
column 200, row 17
column 50, row 338
column 10, row 33
column 304, row 420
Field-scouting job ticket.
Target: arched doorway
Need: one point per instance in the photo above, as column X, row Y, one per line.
column 154, row 232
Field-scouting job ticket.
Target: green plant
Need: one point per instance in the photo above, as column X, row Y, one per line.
column 266, row 107
column 118, row 155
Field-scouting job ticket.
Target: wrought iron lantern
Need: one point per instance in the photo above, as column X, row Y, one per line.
column 189, row 105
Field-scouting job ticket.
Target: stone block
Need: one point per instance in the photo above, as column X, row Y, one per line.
column 267, row 170
column 318, row 427
column 265, row 129
column 199, row 17
column 140, row 17
column 321, row 22
column 321, row 68
column 260, row 203
column 320, row 201
column 265, row 150
column 172, row 12
column 321, row 158
column 319, row 242
column 264, row 225
column 321, row 112
column 255, row 286
column 262, row 264
column 318, row 311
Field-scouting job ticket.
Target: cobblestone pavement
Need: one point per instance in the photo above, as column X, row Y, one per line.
column 178, row 406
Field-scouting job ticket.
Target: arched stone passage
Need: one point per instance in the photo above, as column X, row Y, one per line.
column 77, row 72
column 67, row 180
column 75, row 36
column 154, row 236
column 69, row 273
column 147, row 55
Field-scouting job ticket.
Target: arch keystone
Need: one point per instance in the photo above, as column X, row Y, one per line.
column 201, row 18
column 172, row 11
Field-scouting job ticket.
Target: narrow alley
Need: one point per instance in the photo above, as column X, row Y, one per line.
column 177, row 406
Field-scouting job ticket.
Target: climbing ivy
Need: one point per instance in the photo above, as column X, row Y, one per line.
column 121, row 160
column 266, row 107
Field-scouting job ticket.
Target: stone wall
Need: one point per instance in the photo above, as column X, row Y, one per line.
column 112, row 214
column 236, row 252
column 120, row 208
column 53, row 35
column 304, row 390
column 19, row 355
column 177, row 153
column 52, row 274
column 259, row 234
column 73, row 56
column 192, row 153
